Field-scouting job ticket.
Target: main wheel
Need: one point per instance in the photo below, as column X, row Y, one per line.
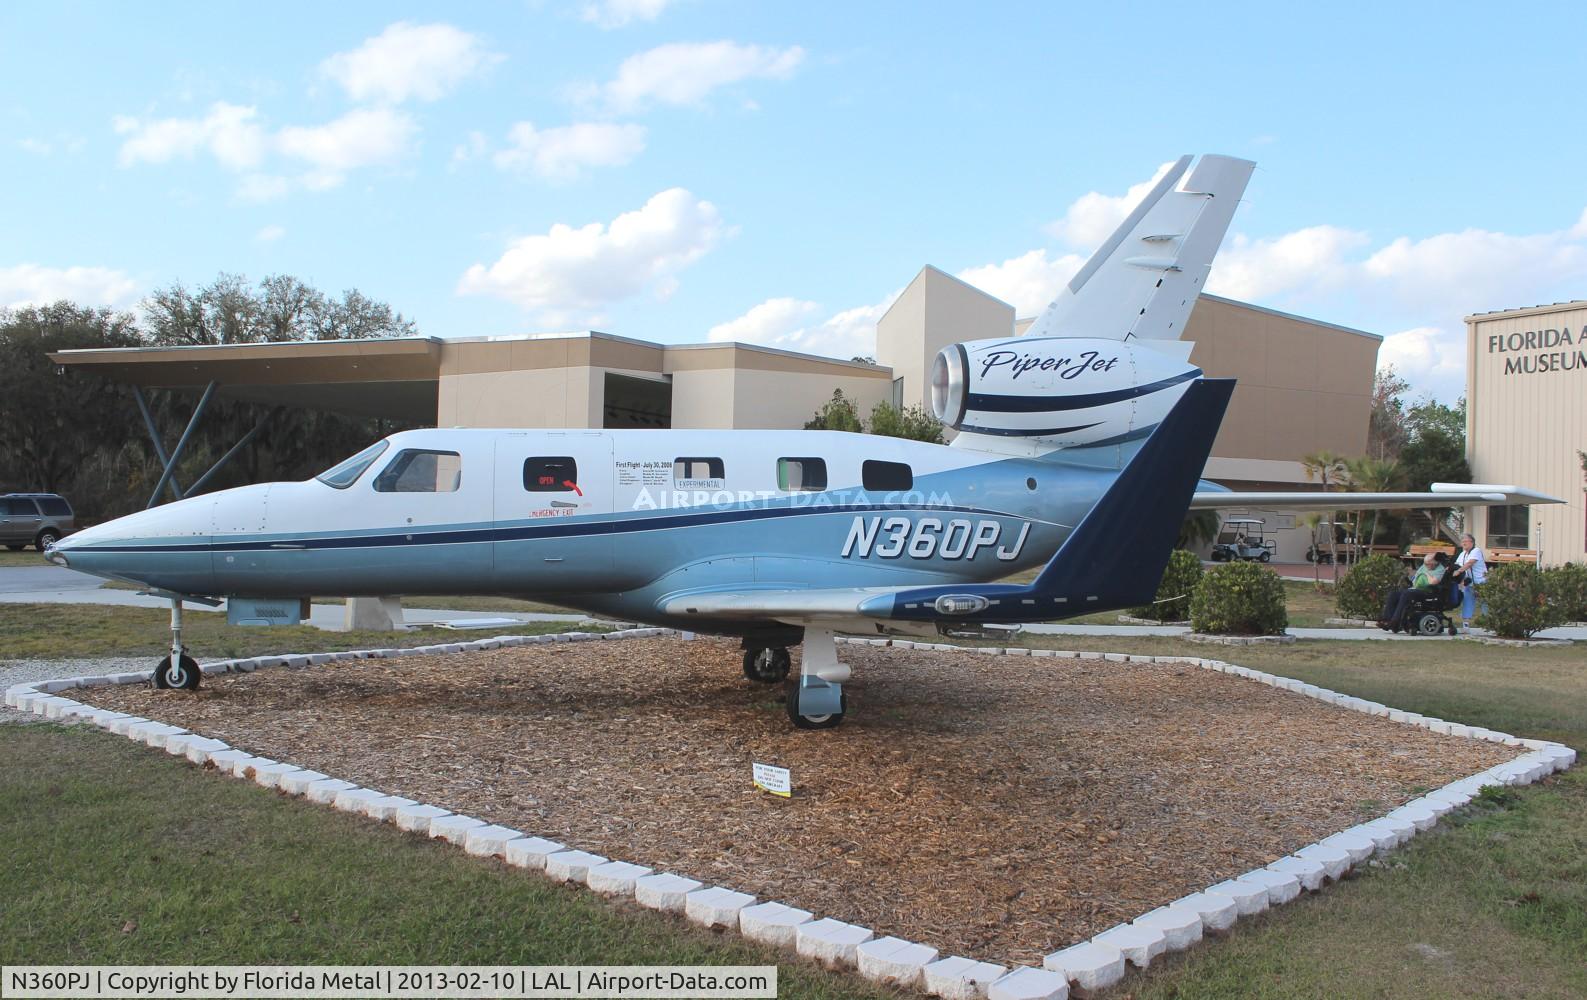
column 184, row 674
column 829, row 721
column 766, row 664
column 1427, row 623
column 46, row 538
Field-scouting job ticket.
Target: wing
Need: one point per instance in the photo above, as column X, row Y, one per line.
column 1441, row 495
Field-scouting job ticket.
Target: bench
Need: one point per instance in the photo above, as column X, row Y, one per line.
column 1416, row 553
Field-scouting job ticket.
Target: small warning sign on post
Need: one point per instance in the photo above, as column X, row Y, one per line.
column 775, row 780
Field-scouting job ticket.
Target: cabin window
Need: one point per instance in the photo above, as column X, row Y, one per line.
column 347, row 473
column 802, row 475
column 1507, row 527
column 419, row 470
column 556, row 474
column 887, row 477
column 697, row 469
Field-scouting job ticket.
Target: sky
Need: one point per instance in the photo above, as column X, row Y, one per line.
column 691, row 170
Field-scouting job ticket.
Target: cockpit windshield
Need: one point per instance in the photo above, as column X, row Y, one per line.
column 346, row 474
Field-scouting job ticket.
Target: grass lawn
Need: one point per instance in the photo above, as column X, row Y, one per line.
column 56, row 631
column 27, row 557
column 115, row 855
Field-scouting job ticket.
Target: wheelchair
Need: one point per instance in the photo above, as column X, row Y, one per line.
column 1428, row 613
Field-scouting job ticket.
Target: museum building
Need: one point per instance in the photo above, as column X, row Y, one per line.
column 1526, row 424
column 1303, row 385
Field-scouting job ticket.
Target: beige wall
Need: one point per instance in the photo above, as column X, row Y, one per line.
column 1525, row 428
column 550, row 397
column 1303, row 386
column 935, row 310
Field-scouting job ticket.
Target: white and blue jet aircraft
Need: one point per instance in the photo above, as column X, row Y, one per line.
column 1079, row 449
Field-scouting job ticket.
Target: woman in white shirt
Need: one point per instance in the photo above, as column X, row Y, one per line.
column 1473, row 570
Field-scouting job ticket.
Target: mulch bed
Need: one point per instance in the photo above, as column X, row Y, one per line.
column 996, row 807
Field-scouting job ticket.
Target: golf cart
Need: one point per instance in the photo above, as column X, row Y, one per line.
column 1243, row 540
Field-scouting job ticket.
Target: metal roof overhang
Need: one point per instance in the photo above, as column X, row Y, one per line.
column 394, row 379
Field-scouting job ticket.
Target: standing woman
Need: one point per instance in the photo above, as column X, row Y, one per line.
column 1473, row 570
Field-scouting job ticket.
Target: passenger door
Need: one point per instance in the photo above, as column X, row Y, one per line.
column 553, row 498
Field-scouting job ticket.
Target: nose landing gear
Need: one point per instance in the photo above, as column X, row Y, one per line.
column 766, row 664
column 178, row 670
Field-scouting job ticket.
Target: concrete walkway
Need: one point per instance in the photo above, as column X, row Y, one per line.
column 53, row 585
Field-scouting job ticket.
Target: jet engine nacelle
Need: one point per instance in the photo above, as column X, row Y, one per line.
column 1059, row 392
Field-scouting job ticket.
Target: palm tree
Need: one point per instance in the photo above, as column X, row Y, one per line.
column 1375, row 475
column 1328, row 467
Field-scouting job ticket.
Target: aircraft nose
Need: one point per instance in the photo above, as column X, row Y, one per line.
column 165, row 547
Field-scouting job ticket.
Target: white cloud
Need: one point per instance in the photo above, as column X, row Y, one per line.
column 229, row 133
column 620, row 13
column 32, row 284
column 1430, row 358
column 684, row 73
column 1027, row 282
column 360, row 138
column 471, row 148
column 562, row 153
column 1092, row 217
column 263, row 187
column 570, row 273
column 409, row 61
column 777, row 323
column 1313, row 257
column 765, row 323
column 38, row 147
column 269, row 234
column 1474, row 269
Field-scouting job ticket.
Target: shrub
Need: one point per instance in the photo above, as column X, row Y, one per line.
column 1514, row 602
column 1172, row 603
column 1566, row 587
column 1366, row 586
column 1239, row 599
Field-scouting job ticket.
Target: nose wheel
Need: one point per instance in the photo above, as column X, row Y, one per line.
column 178, row 670
column 766, row 664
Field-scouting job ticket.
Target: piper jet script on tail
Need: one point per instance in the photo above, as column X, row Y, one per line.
column 1079, row 449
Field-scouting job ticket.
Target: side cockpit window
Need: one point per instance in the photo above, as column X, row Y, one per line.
column 801, row 475
column 419, row 470
column 346, row 474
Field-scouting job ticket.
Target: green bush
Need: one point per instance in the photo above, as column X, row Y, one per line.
column 1172, row 603
column 1514, row 602
column 1239, row 599
column 1366, row 586
column 1566, row 587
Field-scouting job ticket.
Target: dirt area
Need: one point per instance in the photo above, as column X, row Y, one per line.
column 996, row 807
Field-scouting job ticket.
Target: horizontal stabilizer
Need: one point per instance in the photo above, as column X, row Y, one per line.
column 1442, row 495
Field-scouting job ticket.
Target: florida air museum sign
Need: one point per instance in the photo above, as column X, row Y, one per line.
column 1536, row 352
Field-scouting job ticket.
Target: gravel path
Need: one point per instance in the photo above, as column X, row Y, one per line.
column 27, row 671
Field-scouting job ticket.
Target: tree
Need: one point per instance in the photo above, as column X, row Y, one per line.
column 230, row 311
column 1199, row 527
column 1386, row 427
column 911, row 422
column 836, row 414
column 1435, row 452
column 1373, row 475
column 1328, row 467
column 50, row 421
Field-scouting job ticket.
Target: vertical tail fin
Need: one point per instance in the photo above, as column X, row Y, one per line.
column 1144, row 279
column 1116, row 555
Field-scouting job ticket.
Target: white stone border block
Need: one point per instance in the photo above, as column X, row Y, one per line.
column 1089, row 966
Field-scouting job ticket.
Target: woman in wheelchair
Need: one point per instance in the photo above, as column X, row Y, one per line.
column 1422, row 607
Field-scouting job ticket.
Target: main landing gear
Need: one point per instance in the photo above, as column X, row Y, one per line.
column 815, row 697
column 178, row 670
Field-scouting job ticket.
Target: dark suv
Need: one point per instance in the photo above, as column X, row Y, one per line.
column 36, row 519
